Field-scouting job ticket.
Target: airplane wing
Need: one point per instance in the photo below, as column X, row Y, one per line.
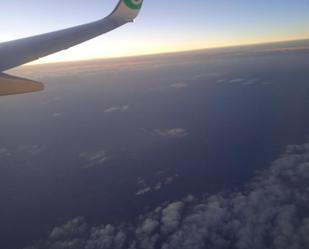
column 10, row 85
column 18, row 52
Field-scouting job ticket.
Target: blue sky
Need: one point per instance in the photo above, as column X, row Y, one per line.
column 162, row 26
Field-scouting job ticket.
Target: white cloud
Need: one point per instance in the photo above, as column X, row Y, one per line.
column 4, row 152
column 144, row 188
column 117, row 109
column 25, row 150
column 93, row 159
column 221, row 81
column 106, row 237
column 179, row 85
column 143, row 191
column 148, row 226
column 33, row 150
column 244, row 81
column 238, row 80
column 57, row 115
column 204, row 75
column 156, row 186
column 272, row 213
column 164, row 182
column 175, row 132
column 75, row 227
column 171, row 217
column 141, row 181
column 171, row 179
column 249, row 82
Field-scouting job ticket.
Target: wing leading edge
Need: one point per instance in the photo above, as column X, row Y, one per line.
column 18, row 52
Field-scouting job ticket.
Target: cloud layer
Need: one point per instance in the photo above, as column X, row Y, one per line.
column 272, row 213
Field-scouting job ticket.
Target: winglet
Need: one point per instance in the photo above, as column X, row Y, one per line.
column 127, row 10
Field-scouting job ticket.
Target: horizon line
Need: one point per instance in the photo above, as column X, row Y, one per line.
column 165, row 53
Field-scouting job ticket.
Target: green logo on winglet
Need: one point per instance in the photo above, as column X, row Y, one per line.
column 134, row 4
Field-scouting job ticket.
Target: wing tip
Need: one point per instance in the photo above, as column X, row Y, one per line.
column 127, row 10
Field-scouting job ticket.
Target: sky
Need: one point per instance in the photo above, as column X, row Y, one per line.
column 163, row 26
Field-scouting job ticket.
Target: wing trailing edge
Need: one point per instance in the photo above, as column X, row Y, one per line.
column 10, row 85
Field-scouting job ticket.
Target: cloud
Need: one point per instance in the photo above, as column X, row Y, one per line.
column 244, row 81
column 164, row 182
column 21, row 151
column 143, row 191
column 158, row 186
column 148, row 226
column 221, row 81
column 117, row 109
column 238, row 80
column 33, row 150
column 171, row 179
column 56, row 115
column 171, row 217
column 106, row 236
column 175, row 132
column 36, row 150
column 93, row 159
column 205, row 75
column 179, row 85
column 249, row 82
column 73, row 228
column 4, row 152
column 155, row 186
column 272, row 213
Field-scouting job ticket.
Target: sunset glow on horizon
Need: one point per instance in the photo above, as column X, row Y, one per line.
column 181, row 26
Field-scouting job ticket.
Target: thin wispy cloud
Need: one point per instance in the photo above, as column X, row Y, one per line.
column 155, row 186
column 206, row 75
column 117, row 109
column 243, row 81
column 24, row 150
column 4, row 152
column 94, row 159
column 143, row 191
column 179, row 85
column 172, row 133
column 33, row 150
column 238, row 80
column 56, row 114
